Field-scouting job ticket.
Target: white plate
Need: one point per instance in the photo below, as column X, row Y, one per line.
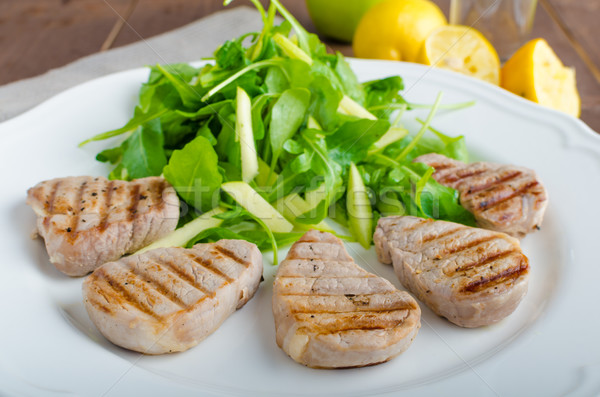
column 549, row 346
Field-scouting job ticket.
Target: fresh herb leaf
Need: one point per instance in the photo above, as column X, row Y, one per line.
column 112, row 155
column 230, row 55
column 352, row 140
column 193, row 172
column 286, row 117
column 144, row 155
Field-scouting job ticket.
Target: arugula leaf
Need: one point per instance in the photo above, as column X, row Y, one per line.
column 227, row 147
column 206, row 111
column 140, row 155
column 348, row 79
column 190, row 96
column 276, row 80
column 193, row 172
column 453, row 147
column 322, row 165
column 206, row 132
column 143, row 154
column 303, row 35
column 325, row 100
column 231, row 55
column 297, row 72
column 438, row 201
column 351, row 141
column 112, row 155
column 177, row 129
column 258, row 106
column 381, row 94
column 286, row 117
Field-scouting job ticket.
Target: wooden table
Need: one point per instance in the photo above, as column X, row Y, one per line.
column 36, row 36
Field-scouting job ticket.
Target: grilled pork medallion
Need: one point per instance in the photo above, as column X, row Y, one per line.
column 87, row 221
column 471, row 276
column 330, row 313
column 504, row 198
column 169, row 299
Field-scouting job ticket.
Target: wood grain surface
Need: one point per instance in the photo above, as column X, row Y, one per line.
column 36, row 36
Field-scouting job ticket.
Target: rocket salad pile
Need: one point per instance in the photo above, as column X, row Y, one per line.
column 276, row 136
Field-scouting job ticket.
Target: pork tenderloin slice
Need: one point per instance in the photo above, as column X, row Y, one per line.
column 503, row 198
column 169, row 299
column 86, row 221
column 473, row 277
column 331, row 313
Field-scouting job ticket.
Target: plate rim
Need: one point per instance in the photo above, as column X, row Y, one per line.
column 580, row 126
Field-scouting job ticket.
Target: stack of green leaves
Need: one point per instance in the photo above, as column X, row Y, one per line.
column 275, row 136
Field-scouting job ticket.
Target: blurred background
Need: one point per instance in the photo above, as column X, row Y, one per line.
column 39, row 35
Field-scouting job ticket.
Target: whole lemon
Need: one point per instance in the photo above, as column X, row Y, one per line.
column 396, row 29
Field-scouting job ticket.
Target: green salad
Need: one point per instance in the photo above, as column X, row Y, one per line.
column 276, row 136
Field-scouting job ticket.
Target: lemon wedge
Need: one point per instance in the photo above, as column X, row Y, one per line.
column 464, row 50
column 536, row 73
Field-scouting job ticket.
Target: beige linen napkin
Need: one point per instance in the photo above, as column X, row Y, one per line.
column 188, row 43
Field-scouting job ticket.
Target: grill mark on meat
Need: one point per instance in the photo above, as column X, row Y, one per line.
column 104, row 210
column 52, row 197
column 375, row 302
column 328, row 311
column 73, row 230
column 489, row 190
column 72, row 217
column 358, row 310
column 500, row 180
column 100, row 305
column 367, row 333
column 358, row 329
column 157, row 193
column 123, row 296
column 208, row 265
column 365, row 328
column 134, row 200
column 185, row 277
column 487, row 282
column 332, row 277
column 416, row 225
column 309, row 239
column 480, row 261
column 441, row 166
column 433, row 236
column 324, row 323
column 161, row 187
column 152, row 303
column 470, row 244
column 359, row 306
column 315, row 294
column 153, row 283
column 476, row 283
column 455, row 177
column 232, row 255
column 494, row 200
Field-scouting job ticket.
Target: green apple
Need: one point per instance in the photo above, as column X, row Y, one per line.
column 338, row 18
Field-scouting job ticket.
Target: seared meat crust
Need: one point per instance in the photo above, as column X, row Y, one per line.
column 330, row 313
column 503, row 198
column 169, row 299
column 86, row 221
column 471, row 276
